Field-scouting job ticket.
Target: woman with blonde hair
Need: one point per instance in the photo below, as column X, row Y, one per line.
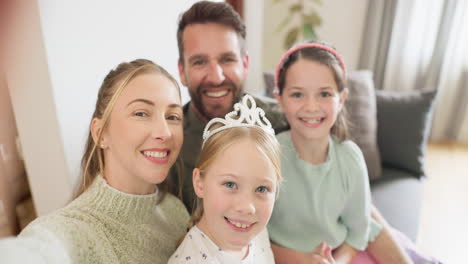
column 126, row 211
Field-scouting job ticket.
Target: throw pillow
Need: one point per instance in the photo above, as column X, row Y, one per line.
column 362, row 118
column 404, row 120
column 269, row 81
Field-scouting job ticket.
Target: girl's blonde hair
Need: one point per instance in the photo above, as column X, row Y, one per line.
column 92, row 162
column 266, row 143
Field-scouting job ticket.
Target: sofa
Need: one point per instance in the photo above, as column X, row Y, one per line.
column 391, row 128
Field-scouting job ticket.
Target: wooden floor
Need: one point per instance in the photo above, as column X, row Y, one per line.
column 443, row 230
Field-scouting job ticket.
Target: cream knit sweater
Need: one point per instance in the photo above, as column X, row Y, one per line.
column 103, row 225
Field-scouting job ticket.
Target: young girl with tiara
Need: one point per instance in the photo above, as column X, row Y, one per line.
column 325, row 199
column 236, row 181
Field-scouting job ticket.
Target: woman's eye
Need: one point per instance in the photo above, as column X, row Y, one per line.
column 174, row 118
column 325, row 94
column 262, row 189
column 230, row 185
column 141, row 114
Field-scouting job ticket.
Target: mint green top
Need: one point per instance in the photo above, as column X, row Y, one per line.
column 328, row 202
column 103, row 225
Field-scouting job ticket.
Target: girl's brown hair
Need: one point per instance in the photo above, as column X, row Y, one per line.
column 92, row 162
column 329, row 59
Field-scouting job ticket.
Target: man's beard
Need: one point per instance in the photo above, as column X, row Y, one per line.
column 196, row 97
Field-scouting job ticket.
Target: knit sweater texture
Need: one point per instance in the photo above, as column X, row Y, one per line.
column 104, row 225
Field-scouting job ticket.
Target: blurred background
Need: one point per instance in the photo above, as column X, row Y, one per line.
column 54, row 55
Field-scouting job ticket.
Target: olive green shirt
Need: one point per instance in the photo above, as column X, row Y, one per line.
column 193, row 131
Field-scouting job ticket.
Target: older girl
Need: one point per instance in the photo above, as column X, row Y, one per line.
column 326, row 194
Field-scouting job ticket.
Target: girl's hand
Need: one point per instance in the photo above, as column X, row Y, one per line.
column 322, row 254
column 344, row 253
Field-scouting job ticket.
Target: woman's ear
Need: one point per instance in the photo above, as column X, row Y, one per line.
column 197, row 183
column 96, row 127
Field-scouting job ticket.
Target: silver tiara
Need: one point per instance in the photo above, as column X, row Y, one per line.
column 242, row 116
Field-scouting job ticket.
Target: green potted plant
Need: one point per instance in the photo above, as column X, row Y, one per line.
column 305, row 11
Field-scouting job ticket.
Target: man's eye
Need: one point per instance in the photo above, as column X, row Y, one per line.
column 198, row 62
column 228, row 59
column 230, row 185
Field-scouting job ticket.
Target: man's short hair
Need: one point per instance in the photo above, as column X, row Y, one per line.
column 204, row 12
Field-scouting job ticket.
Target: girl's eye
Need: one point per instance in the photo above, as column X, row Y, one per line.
column 296, row 95
column 141, row 114
column 262, row 189
column 230, row 185
column 325, row 94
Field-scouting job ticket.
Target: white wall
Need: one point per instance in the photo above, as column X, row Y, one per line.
column 63, row 51
column 253, row 17
column 85, row 39
column 342, row 25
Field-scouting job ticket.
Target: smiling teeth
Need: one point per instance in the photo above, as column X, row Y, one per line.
column 239, row 224
column 312, row 121
column 155, row 154
column 217, row 94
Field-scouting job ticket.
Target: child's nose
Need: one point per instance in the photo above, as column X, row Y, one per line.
column 311, row 104
column 245, row 205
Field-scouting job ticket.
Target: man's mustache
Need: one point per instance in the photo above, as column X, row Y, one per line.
column 224, row 83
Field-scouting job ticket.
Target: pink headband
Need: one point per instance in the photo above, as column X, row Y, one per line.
column 307, row 45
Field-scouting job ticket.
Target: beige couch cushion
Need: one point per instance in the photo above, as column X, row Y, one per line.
column 362, row 118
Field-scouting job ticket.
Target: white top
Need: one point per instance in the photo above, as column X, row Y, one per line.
column 198, row 248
